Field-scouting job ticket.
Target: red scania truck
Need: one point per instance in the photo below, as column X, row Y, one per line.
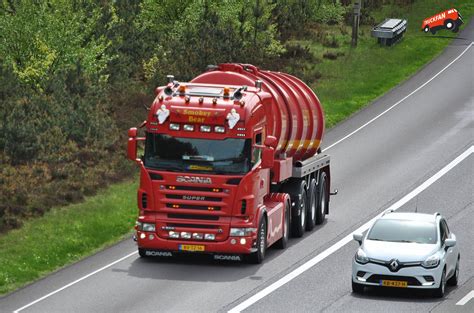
column 231, row 164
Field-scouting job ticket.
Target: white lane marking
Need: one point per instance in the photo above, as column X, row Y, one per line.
column 74, row 282
column 306, row 266
column 400, row 101
column 466, row 298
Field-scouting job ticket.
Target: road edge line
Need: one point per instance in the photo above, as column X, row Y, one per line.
column 74, row 282
column 398, row 102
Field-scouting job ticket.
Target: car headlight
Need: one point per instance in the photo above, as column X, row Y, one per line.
column 148, row 227
column 361, row 257
column 431, row 262
column 240, row 232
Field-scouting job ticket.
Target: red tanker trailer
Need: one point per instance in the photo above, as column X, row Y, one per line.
column 231, row 164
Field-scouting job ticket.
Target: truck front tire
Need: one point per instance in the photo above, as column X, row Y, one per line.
column 283, row 242
column 258, row 256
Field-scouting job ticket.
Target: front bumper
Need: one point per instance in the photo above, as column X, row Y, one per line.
column 418, row 277
column 232, row 245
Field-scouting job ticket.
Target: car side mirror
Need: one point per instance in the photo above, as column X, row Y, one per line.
column 358, row 237
column 450, row 242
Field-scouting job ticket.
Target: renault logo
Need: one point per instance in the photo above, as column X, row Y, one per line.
column 393, row 265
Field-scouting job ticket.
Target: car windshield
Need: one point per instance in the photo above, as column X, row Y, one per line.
column 177, row 154
column 403, row 231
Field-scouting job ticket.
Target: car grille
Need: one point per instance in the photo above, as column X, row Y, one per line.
column 412, row 281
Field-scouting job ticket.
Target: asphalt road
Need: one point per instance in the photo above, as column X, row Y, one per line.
column 373, row 168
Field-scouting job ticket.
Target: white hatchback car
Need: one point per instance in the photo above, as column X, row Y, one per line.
column 406, row 250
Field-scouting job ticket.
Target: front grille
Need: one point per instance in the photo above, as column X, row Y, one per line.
column 202, row 226
column 193, row 198
column 193, row 188
column 412, row 281
column 194, row 217
column 193, row 207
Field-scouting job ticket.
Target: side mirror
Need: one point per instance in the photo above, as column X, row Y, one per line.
column 271, row 141
column 450, row 242
column 268, row 156
column 132, row 144
column 358, row 237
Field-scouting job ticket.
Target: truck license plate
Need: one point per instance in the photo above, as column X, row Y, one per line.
column 191, row 248
column 394, row 283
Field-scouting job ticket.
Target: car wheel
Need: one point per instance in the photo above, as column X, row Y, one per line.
column 283, row 242
column 312, row 206
column 449, row 24
column 439, row 292
column 426, row 29
column 258, row 256
column 357, row 288
column 453, row 281
column 323, row 199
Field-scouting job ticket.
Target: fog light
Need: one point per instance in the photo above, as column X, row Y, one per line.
column 188, row 128
column 233, row 241
column 142, row 236
column 219, row 129
column 174, row 126
column 243, row 241
column 185, row 235
column 209, row 236
column 173, row 234
column 197, row 236
column 151, row 237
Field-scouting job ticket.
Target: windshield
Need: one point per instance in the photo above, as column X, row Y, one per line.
column 228, row 156
column 403, row 231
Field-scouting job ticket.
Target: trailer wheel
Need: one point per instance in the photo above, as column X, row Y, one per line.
column 312, row 205
column 323, row 198
column 298, row 222
column 283, row 242
column 258, row 256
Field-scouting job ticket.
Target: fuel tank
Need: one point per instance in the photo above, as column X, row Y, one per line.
column 296, row 116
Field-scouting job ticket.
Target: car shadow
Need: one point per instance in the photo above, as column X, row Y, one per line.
column 401, row 294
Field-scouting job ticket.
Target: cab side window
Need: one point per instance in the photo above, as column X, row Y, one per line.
column 257, row 152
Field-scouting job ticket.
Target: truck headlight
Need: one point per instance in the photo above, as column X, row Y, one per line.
column 240, row 232
column 431, row 262
column 361, row 257
column 148, row 227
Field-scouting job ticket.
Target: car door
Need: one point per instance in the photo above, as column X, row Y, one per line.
column 450, row 252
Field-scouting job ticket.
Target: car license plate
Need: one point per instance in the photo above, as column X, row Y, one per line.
column 394, row 283
column 191, row 248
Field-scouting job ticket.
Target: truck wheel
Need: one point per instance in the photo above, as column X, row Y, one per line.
column 312, row 205
column 426, row 29
column 283, row 242
column 298, row 222
column 323, row 198
column 258, row 256
column 142, row 253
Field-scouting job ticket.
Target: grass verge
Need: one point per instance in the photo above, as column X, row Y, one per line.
column 344, row 85
column 65, row 235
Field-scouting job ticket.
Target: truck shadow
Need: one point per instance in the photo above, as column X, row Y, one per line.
column 202, row 268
